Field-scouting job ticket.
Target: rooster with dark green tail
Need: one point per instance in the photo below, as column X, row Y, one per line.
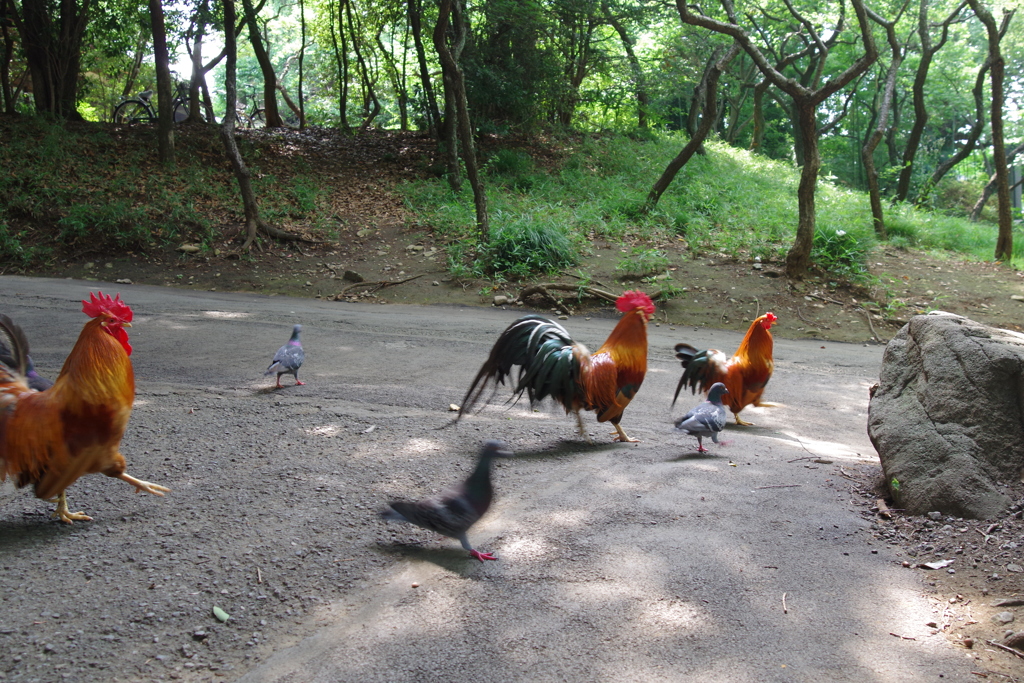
column 552, row 365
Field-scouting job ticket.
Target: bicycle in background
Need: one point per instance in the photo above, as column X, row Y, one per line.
column 255, row 117
column 140, row 109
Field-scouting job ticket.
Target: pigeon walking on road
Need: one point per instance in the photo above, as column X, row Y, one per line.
column 707, row 419
column 453, row 513
column 288, row 358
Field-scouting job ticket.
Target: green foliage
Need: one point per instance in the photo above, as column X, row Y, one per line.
column 513, row 168
column 522, row 246
column 114, row 223
column 841, row 252
column 13, row 249
column 641, row 261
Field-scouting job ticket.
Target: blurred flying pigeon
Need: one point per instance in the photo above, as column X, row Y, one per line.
column 707, row 419
column 453, row 513
column 35, row 380
column 288, row 358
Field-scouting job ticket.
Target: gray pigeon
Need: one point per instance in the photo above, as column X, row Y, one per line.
column 453, row 513
column 34, row 379
column 707, row 419
column 288, row 358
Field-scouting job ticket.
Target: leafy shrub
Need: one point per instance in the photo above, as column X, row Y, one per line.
column 902, row 230
column 515, row 167
column 641, row 261
column 840, row 252
column 521, row 247
column 12, row 249
column 115, row 223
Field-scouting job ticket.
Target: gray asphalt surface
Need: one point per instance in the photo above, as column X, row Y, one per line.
column 618, row 562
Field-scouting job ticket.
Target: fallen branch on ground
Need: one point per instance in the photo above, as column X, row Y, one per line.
column 376, row 286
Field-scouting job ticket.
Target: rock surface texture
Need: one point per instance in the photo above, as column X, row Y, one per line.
column 947, row 417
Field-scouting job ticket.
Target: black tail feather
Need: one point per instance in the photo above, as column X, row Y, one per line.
column 13, row 346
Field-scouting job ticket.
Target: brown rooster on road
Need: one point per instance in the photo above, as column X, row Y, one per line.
column 744, row 375
column 552, row 364
column 49, row 439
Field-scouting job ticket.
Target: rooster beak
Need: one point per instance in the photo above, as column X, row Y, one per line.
column 126, row 324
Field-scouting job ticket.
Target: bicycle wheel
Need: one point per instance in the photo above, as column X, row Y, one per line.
column 258, row 119
column 180, row 112
column 132, row 111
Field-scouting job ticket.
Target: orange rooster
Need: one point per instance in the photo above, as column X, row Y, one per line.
column 552, row 364
column 744, row 375
column 51, row 438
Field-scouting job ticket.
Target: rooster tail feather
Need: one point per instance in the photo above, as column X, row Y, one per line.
column 13, row 338
column 543, row 351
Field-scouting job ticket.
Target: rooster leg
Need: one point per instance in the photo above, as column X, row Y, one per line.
column 141, row 486
column 583, row 431
column 63, row 513
column 741, row 421
column 622, row 435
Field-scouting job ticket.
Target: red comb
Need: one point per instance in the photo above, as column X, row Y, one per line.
column 769, row 318
column 97, row 305
column 634, row 299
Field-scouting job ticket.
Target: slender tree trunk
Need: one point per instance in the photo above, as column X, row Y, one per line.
column 881, row 123
column 341, row 59
column 429, row 100
column 696, row 142
column 270, row 109
column 1004, row 242
column 990, row 186
column 164, row 88
column 10, row 103
column 372, row 105
column 452, row 11
column 302, row 58
column 757, row 137
column 636, row 71
column 927, row 51
column 799, row 256
column 965, row 150
column 196, row 80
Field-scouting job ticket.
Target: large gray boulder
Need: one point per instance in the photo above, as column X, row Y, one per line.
column 947, row 417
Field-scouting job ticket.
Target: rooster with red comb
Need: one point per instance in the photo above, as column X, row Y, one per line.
column 552, row 365
column 49, row 439
column 745, row 375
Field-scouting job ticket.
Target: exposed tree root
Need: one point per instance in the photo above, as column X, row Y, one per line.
column 374, row 286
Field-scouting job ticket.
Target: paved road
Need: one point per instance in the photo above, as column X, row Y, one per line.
column 617, row 562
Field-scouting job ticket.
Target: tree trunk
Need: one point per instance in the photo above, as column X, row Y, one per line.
column 429, row 100
column 696, row 142
column 341, row 60
column 196, row 80
column 990, row 187
column 969, row 144
column 371, row 105
column 799, row 256
column 53, row 49
column 927, row 51
column 881, row 123
column 10, row 103
column 639, row 81
column 302, row 59
column 270, row 110
column 452, row 11
column 164, row 88
column 1004, row 242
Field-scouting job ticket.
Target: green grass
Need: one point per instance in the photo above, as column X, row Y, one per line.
column 728, row 202
column 77, row 189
